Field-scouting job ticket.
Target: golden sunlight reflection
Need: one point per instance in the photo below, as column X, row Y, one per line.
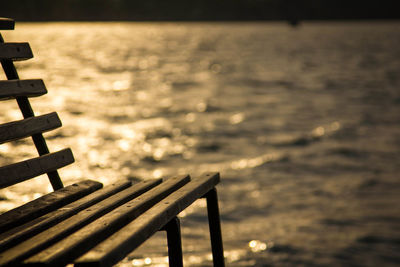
column 4, row 148
column 237, row 118
column 192, row 259
column 234, row 255
column 257, row 245
column 124, row 145
column 254, row 162
column 198, row 204
column 323, row 130
column 128, row 132
column 244, row 163
column 295, row 133
column 120, row 85
column 157, row 173
column 156, row 261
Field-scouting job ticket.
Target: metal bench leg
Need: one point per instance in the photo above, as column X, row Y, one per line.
column 173, row 229
column 215, row 228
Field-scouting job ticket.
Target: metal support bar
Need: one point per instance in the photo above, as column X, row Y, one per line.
column 173, row 229
column 26, row 109
column 215, row 228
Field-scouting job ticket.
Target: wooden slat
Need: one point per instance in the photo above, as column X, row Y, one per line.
column 70, row 225
column 24, row 128
column 7, row 24
column 76, row 244
column 10, row 89
column 26, row 109
column 120, row 244
column 29, row 229
column 24, row 170
column 46, row 203
column 15, row 51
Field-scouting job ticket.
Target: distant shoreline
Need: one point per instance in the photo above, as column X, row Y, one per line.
column 223, row 21
column 198, row 10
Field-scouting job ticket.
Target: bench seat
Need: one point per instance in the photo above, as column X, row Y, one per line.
column 96, row 228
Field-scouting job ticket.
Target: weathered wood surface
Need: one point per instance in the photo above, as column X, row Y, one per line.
column 24, row 170
column 7, row 24
column 29, row 229
column 15, row 51
column 67, row 227
column 46, row 203
column 27, row 111
column 120, row 244
column 10, row 89
column 25, row 128
column 81, row 241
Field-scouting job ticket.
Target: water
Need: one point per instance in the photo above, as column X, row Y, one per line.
column 301, row 122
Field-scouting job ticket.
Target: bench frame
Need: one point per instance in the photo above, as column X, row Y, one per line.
column 152, row 205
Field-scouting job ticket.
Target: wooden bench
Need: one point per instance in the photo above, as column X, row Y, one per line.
column 84, row 223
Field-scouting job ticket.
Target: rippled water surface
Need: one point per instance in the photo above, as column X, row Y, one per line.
column 303, row 124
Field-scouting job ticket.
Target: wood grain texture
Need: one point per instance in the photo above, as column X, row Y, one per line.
column 24, row 170
column 15, row 51
column 25, row 128
column 120, row 244
column 10, row 89
column 31, row 228
column 7, row 24
column 67, row 227
column 81, row 241
column 46, row 203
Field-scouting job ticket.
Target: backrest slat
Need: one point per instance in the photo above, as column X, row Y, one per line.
column 24, row 128
column 24, row 170
column 7, row 24
column 15, row 88
column 15, row 51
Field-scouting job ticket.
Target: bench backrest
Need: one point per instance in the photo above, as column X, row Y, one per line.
column 31, row 126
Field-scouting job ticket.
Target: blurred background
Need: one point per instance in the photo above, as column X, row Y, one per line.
column 108, row 10
column 296, row 103
column 177, row 10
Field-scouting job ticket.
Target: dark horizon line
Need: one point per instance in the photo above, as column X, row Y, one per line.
column 212, row 20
